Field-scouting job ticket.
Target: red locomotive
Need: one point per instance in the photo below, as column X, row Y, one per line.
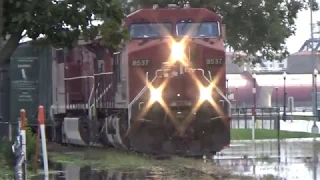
column 163, row 93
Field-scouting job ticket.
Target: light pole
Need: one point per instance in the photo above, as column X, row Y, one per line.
column 315, row 74
column 254, row 119
column 227, row 88
column 254, row 105
column 237, row 109
column 278, row 124
column 254, row 91
column 284, row 96
column 313, row 58
column 315, row 128
column 236, row 96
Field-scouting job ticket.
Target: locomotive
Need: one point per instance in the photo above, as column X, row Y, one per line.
column 164, row 92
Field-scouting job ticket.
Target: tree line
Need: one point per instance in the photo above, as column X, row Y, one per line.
column 259, row 28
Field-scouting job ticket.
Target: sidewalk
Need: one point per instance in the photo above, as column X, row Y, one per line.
column 297, row 125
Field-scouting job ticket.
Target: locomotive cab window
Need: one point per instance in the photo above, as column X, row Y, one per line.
column 204, row 29
column 150, row 30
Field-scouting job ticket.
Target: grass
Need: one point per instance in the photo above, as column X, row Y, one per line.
column 115, row 159
column 110, row 159
column 297, row 117
column 246, row 134
column 6, row 171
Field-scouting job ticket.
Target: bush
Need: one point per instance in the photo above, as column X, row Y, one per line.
column 6, row 154
column 6, row 148
column 31, row 145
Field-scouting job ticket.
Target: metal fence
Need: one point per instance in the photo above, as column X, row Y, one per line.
column 266, row 118
column 8, row 130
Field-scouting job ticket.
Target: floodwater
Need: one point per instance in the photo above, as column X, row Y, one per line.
column 260, row 159
column 72, row 172
column 298, row 158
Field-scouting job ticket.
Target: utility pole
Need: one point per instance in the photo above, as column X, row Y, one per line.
column 1, row 22
column 312, row 56
column 314, row 128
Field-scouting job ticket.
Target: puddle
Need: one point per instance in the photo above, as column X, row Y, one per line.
column 73, row 172
column 298, row 159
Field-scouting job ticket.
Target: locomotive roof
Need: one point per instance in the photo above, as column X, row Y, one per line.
column 172, row 14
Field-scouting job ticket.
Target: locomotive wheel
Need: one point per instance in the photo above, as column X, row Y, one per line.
column 123, row 128
column 58, row 130
column 85, row 173
column 114, row 131
column 84, row 129
column 103, row 135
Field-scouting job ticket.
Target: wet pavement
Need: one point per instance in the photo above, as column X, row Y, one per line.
column 295, row 125
column 298, row 160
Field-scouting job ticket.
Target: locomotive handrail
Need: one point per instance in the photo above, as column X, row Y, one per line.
column 106, row 73
column 78, row 77
column 209, row 72
column 106, row 89
column 224, row 97
column 218, row 90
column 104, row 92
column 137, row 97
column 91, row 93
column 83, row 77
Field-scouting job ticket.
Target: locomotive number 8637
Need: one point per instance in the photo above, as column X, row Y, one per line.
column 163, row 93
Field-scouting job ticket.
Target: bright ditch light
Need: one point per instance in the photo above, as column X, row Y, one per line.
column 205, row 94
column 156, row 95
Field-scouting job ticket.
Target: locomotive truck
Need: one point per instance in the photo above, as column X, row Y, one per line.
column 164, row 92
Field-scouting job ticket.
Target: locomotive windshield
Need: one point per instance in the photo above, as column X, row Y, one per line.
column 205, row 29
column 150, row 30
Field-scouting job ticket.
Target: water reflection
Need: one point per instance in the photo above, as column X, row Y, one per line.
column 73, row 172
column 298, row 159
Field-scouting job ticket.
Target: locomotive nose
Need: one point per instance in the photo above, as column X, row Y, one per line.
column 180, row 88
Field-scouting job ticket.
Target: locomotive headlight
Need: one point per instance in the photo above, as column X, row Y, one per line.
column 177, row 51
column 205, row 93
column 155, row 95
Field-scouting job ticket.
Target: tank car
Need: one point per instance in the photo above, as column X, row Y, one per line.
column 163, row 93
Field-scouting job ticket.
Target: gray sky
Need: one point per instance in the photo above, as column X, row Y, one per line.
column 303, row 30
column 302, row 33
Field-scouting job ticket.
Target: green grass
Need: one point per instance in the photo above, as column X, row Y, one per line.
column 109, row 159
column 246, row 134
column 6, row 171
column 115, row 160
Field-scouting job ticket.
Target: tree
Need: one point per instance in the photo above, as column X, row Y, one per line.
column 257, row 28
column 62, row 22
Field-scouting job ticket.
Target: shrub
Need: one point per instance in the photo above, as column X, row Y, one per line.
column 6, row 153
column 6, row 148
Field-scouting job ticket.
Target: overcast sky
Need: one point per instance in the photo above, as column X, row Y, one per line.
column 303, row 31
